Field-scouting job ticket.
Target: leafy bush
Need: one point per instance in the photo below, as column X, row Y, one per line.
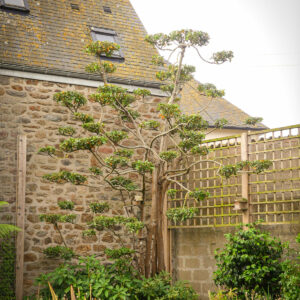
column 250, row 262
column 7, row 268
column 119, row 280
column 290, row 278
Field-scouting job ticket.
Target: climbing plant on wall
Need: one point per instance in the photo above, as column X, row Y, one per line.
column 160, row 154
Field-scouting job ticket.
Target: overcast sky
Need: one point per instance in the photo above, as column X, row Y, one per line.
column 264, row 77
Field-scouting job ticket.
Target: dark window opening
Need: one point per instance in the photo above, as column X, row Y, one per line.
column 15, row 4
column 107, row 9
column 107, row 35
column 74, row 6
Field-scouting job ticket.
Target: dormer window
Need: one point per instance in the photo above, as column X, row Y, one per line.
column 15, row 4
column 107, row 35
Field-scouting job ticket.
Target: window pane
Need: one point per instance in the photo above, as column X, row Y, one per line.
column 104, row 38
column 15, row 2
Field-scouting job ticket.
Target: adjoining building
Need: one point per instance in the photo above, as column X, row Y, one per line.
column 41, row 53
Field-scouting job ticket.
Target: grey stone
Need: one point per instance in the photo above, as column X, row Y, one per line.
column 23, row 120
column 53, row 118
column 16, row 93
column 4, row 80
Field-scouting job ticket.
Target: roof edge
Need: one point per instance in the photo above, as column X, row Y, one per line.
column 242, row 127
column 48, row 71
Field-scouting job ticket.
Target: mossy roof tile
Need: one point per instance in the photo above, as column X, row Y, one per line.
column 51, row 38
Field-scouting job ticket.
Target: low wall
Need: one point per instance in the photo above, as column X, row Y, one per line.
column 193, row 252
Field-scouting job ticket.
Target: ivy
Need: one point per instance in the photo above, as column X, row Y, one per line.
column 192, row 122
column 118, row 253
column 190, row 139
column 222, row 56
column 120, row 182
column 142, row 92
column 168, row 155
column 71, row 100
column 114, row 96
column 68, row 205
column 66, row 131
column 201, row 150
column 210, row 90
column 124, row 153
column 105, row 222
column 130, row 113
column 89, row 232
column 103, row 67
column 84, row 118
column 100, row 48
column 116, row 136
column 220, row 123
column 50, row 150
column 65, row 176
column 188, row 36
column 59, row 252
column 96, row 171
column 151, row 125
column 172, row 193
column 75, row 144
column 169, row 111
column 181, row 213
column 199, row 195
column 57, row 218
column 93, row 127
column 97, row 207
column 253, row 120
column 228, row 170
column 158, row 60
column 116, row 161
column 258, row 166
column 143, row 166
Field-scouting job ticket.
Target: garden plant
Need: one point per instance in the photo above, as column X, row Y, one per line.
column 141, row 173
column 166, row 146
column 254, row 264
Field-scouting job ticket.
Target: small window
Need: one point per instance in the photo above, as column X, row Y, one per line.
column 107, row 35
column 15, row 4
column 75, row 6
column 107, row 9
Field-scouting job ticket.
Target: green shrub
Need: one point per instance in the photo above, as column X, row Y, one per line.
column 250, row 263
column 290, row 278
column 7, row 268
column 118, row 280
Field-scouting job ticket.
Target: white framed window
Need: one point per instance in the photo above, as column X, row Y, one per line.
column 107, row 35
column 15, row 4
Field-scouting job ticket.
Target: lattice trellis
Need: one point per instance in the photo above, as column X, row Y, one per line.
column 274, row 196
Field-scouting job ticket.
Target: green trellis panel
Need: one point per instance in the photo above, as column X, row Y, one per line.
column 274, row 195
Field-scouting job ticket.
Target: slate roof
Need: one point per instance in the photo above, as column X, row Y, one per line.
column 51, row 37
column 214, row 109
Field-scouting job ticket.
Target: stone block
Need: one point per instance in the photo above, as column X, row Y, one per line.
column 192, row 263
column 184, row 275
column 201, row 275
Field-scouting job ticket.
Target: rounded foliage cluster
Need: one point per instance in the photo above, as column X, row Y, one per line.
column 250, row 262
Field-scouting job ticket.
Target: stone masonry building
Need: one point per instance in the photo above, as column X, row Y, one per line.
column 41, row 53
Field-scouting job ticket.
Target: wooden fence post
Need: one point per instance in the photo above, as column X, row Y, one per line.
column 20, row 213
column 245, row 178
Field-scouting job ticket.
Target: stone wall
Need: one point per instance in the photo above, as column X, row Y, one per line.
column 27, row 108
column 193, row 252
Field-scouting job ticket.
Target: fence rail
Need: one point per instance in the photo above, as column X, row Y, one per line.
column 272, row 196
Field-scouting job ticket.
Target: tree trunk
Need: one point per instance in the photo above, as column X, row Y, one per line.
column 154, row 258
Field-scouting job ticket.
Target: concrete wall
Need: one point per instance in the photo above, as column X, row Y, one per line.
column 193, row 252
